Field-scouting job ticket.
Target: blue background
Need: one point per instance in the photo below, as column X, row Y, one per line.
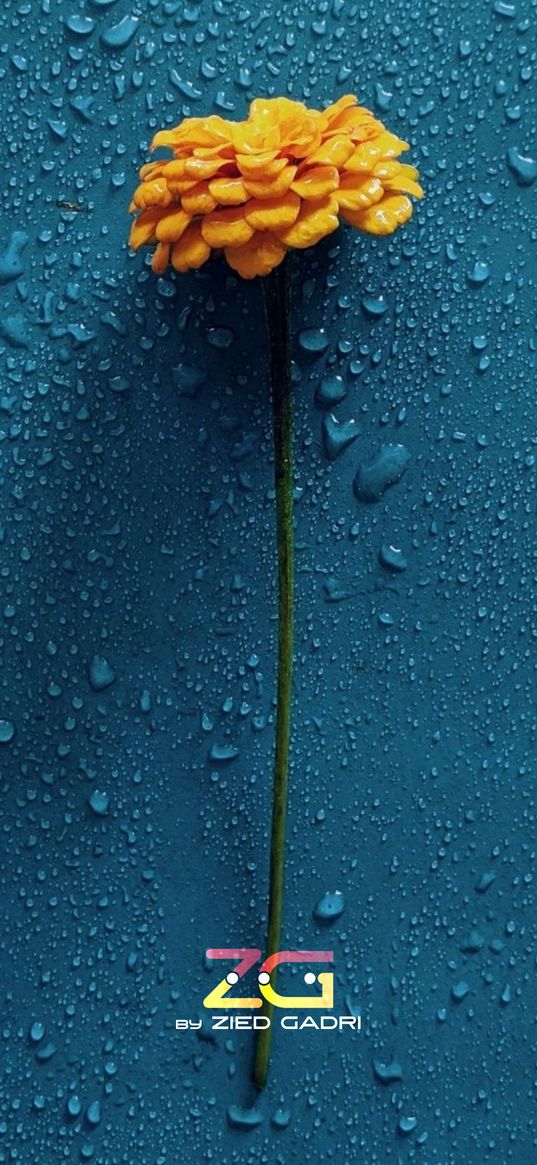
column 137, row 527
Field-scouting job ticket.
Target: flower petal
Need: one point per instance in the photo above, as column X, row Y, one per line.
column 195, row 131
column 208, row 131
column 201, row 168
column 387, row 168
column 249, row 138
column 144, row 227
column 332, row 112
column 199, row 200
column 357, row 120
column 171, row 225
column 367, row 154
column 399, row 177
column 265, row 214
column 191, row 250
column 160, row 258
column 226, row 228
column 152, row 193
column 181, row 186
column 316, row 219
column 165, row 137
column 174, row 169
column 257, row 257
column 358, row 191
column 261, row 166
column 404, row 186
column 383, row 218
column 272, row 185
column 151, row 170
column 301, row 145
column 282, row 123
column 277, row 109
column 333, row 152
column 316, row 182
column 228, row 191
column 225, row 152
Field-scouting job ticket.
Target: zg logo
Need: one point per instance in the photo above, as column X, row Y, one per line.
column 248, row 957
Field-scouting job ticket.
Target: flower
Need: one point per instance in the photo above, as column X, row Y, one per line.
column 280, row 179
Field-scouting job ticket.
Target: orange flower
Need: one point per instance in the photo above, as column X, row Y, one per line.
column 278, row 180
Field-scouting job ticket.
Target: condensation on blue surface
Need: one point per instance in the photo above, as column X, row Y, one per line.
column 138, row 601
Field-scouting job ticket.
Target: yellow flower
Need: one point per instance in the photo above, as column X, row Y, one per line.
column 281, row 179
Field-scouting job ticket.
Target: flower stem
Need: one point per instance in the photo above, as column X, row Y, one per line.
column 277, row 294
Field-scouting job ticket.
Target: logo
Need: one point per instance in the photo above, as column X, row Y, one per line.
column 248, row 957
column 244, row 958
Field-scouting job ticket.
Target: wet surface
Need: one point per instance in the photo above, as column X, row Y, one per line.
column 138, row 601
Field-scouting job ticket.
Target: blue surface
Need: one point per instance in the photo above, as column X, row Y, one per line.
column 137, row 526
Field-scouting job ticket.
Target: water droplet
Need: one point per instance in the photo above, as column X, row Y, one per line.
column 392, row 558
column 406, row 1124
column 460, row 990
column 338, row 435
column 80, row 25
column 387, row 468
column 101, row 674
column 313, row 339
column 223, row 752
column 330, row 391
column 220, row 338
column 74, row 1106
column 375, row 306
column 93, row 1113
column 504, row 8
column 387, row 1073
column 11, row 266
column 45, row 1052
column 473, row 943
column 244, row 1118
column 118, row 36
column 523, row 167
column 280, row 1118
column 7, row 731
column 329, row 907
column 99, row 802
column 479, row 274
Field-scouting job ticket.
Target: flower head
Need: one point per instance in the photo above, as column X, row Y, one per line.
column 280, row 179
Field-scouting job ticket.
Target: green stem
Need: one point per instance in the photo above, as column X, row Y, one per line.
column 277, row 294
